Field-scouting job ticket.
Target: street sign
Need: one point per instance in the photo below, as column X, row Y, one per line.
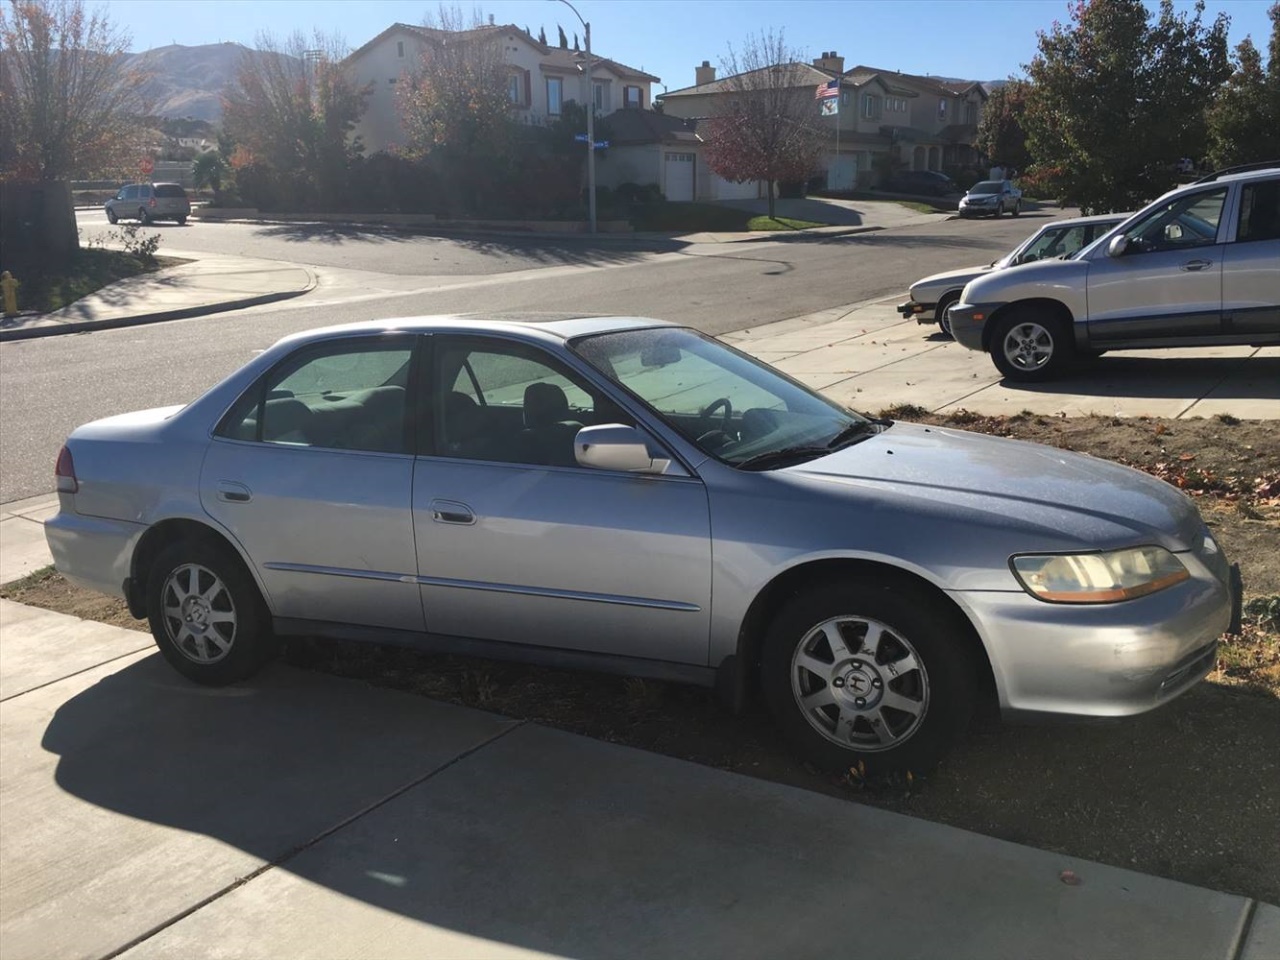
column 602, row 144
column 580, row 137
column 146, row 165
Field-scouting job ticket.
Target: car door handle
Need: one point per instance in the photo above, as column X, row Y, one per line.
column 451, row 511
column 1197, row 264
column 231, row 492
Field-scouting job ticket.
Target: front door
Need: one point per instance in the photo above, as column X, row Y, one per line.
column 1166, row 288
column 517, row 543
column 312, row 472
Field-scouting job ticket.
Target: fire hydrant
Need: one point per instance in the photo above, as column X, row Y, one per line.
column 10, row 287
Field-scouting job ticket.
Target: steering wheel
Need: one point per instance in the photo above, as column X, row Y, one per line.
column 726, row 419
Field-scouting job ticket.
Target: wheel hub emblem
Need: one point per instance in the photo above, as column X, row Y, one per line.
column 195, row 611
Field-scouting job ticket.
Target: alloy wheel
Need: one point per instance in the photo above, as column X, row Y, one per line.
column 859, row 683
column 199, row 614
column 1028, row 346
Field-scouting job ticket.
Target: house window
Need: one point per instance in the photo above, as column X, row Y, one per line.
column 400, row 49
column 555, row 95
column 598, row 97
column 515, row 89
column 633, row 97
column 971, row 113
column 942, row 109
column 870, row 106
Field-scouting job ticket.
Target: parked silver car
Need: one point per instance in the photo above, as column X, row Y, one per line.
column 933, row 296
column 991, row 198
column 625, row 495
column 146, row 202
column 1198, row 267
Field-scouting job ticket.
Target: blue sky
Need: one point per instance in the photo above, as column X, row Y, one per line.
column 960, row 38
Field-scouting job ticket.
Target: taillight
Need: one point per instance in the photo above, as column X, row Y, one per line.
column 65, row 471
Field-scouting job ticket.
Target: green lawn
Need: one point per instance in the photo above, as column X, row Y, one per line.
column 88, row 270
column 698, row 217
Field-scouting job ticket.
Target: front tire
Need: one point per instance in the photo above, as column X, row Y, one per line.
column 1029, row 347
column 944, row 320
column 206, row 614
column 871, row 671
column 1017, row 207
column 111, row 217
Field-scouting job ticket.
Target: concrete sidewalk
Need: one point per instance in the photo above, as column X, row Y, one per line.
column 306, row 816
column 207, row 285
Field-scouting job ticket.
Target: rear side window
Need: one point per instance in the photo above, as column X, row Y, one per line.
column 170, row 190
column 1259, row 212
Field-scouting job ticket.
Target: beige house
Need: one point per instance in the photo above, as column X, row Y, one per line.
column 541, row 78
column 922, row 123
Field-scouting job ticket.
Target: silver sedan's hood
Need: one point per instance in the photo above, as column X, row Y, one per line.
column 951, row 278
column 1057, row 497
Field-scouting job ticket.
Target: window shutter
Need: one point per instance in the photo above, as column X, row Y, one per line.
column 528, row 90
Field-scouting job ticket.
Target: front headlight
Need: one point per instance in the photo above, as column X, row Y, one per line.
column 1099, row 577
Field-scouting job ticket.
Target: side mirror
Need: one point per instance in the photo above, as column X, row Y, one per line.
column 1117, row 246
column 612, row 446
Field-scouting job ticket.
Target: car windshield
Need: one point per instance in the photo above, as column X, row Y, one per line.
column 726, row 403
column 987, row 186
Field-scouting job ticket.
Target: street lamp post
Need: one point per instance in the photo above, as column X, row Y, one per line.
column 591, row 127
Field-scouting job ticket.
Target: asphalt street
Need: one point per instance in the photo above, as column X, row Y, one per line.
column 50, row 386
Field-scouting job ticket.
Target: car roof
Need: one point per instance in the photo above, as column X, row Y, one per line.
column 536, row 325
column 1084, row 221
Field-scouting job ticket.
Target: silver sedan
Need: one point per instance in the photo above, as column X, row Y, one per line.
column 625, row 495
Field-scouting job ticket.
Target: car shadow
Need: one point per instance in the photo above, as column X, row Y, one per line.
column 1138, row 375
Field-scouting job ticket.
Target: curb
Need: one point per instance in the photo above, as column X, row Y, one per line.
column 116, row 323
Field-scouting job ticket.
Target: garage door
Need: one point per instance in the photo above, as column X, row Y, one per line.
column 679, row 176
column 724, row 190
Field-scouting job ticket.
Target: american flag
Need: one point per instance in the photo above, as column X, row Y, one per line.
column 829, row 89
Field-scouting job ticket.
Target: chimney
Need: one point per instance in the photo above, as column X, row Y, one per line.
column 830, row 61
column 704, row 74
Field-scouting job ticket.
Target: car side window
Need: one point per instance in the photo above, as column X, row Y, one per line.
column 1259, row 212
column 507, row 402
column 131, row 193
column 340, row 396
column 1183, row 222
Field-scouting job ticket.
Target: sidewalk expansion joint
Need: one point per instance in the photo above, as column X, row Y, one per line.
column 322, row 835
column 1241, row 938
column 95, row 666
column 1223, row 379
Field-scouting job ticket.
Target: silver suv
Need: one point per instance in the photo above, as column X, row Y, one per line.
column 145, row 202
column 933, row 296
column 1198, row 267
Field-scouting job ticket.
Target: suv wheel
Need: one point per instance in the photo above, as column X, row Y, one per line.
column 111, row 216
column 1029, row 347
column 143, row 216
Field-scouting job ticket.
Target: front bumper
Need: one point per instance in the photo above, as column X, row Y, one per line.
column 969, row 320
column 1105, row 660
column 922, row 312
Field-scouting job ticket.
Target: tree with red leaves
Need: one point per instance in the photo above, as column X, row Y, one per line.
column 766, row 122
column 68, row 104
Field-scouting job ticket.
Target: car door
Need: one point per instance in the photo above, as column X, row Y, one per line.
column 1251, row 267
column 518, row 543
column 1166, row 288
column 312, row 472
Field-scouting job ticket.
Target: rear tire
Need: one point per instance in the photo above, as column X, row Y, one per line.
column 182, row 221
column 871, row 671
column 1029, row 347
column 143, row 217
column 206, row 614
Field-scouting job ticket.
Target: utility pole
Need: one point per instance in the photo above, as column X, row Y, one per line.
column 591, row 126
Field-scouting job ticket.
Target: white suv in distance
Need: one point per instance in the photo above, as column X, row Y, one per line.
column 1198, row 267
column 146, row 202
column 933, row 296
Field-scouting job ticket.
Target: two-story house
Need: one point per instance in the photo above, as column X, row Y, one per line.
column 541, row 79
column 920, row 123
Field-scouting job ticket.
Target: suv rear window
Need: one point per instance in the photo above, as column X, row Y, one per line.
column 169, row 190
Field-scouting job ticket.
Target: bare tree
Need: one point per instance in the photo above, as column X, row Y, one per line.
column 291, row 109
column 766, row 122
column 68, row 103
